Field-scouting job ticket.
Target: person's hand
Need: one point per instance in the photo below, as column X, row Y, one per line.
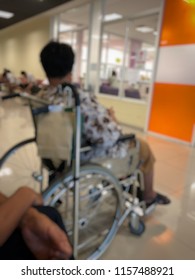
column 44, row 238
column 112, row 114
column 36, row 197
column 38, row 200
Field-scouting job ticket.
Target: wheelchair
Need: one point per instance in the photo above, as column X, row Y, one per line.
column 94, row 199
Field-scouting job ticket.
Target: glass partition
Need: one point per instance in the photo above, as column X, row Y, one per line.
column 73, row 30
column 112, row 57
column 128, row 48
column 128, row 45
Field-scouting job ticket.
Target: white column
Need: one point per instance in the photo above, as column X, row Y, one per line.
column 54, row 27
column 79, row 44
column 94, row 44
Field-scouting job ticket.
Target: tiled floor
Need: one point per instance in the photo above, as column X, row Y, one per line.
column 170, row 230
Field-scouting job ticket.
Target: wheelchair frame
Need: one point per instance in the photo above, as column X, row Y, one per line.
column 131, row 204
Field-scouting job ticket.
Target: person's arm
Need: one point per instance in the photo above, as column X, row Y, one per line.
column 111, row 113
column 12, row 210
column 2, row 198
column 44, row 238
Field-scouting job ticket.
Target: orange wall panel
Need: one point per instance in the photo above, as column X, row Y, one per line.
column 173, row 110
column 178, row 23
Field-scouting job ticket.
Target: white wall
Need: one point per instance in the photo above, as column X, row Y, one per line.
column 127, row 111
column 21, row 43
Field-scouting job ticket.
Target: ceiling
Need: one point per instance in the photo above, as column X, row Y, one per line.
column 118, row 29
column 24, row 9
column 139, row 12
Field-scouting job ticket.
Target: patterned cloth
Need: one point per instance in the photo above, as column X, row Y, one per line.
column 99, row 129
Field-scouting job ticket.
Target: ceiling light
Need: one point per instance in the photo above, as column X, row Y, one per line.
column 110, row 17
column 105, row 37
column 151, row 49
column 66, row 27
column 144, row 29
column 7, row 15
column 155, row 33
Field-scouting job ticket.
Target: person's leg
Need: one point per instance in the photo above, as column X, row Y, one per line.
column 149, row 193
column 147, row 167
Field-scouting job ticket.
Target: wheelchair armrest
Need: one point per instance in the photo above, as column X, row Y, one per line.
column 5, row 97
column 85, row 149
column 85, row 145
column 126, row 137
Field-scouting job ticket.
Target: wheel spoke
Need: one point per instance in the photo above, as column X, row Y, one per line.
column 23, row 163
column 99, row 209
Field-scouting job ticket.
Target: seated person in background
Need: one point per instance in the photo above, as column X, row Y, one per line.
column 29, row 231
column 8, row 76
column 1, row 78
column 112, row 81
column 26, row 79
column 29, row 83
column 9, row 80
column 132, row 92
column 132, row 86
column 100, row 126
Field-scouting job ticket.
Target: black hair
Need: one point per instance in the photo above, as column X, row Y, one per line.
column 5, row 71
column 23, row 73
column 113, row 73
column 57, row 59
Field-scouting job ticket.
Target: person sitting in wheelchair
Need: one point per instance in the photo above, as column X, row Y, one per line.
column 100, row 126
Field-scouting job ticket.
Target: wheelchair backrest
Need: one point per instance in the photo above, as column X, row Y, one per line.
column 55, row 135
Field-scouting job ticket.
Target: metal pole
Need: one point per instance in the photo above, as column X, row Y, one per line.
column 76, row 168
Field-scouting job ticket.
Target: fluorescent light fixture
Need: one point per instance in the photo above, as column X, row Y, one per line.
column 111, row 17
column 152, row 49
column 149, row 49
column 66, row 27
column 7, row 15
column 144, row 29
column 105, row 37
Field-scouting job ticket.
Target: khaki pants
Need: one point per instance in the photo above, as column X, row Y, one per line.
column 147, row 167
column 146, row 156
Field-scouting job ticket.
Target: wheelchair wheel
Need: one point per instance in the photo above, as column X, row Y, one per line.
column 136, row 226
column 21, row 166
column 99, row 208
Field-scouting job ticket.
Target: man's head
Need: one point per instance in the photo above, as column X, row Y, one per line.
column 57, row 60
column 23, row 73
